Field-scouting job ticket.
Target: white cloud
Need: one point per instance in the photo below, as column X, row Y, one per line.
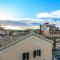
column 48, row 17
column 53, row 14
column 43, row 15
column 42, row 21
column 5, row 16
column 56, row 14
column 29, row 21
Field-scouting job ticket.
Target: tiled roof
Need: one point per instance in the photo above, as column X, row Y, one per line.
column 10, row 42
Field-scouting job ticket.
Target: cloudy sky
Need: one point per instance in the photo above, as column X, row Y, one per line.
column 29, row 13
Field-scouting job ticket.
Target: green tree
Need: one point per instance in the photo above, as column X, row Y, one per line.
column 11, row 33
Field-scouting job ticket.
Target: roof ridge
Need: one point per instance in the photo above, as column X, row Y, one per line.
column 43, row 38
column 21, row 39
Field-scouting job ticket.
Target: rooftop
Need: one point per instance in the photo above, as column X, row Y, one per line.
column 5, row 43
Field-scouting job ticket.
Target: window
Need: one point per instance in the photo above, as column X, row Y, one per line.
column 25, row 56
column 36, row 53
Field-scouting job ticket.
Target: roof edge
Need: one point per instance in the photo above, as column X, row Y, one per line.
column 28, row 35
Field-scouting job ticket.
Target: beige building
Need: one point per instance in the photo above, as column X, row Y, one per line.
column 29, row 47
column 50, row 30
column 45, row 30
column 2, row 31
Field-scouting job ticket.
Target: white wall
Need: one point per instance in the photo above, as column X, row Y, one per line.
column 28, row 45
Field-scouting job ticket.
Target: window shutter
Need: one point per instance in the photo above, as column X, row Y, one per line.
column 34, row 53
column 38, row 52
column 25, row 56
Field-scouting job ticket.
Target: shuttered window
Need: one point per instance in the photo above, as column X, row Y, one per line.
column 36, row 53
column 25, row 56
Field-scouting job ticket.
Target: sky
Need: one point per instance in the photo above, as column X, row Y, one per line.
column 30, row 11
column 28, row 8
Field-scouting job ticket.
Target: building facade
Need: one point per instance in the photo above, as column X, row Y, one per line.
column 30, row 47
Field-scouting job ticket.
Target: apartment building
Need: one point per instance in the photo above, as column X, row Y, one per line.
column 29, row 47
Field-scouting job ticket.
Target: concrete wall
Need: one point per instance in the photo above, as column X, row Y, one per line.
column 28, row 45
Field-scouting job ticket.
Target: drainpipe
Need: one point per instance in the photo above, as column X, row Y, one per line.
column 40, row 29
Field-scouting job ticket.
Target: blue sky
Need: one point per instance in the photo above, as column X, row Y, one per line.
column 31, row 11
column 28, row 8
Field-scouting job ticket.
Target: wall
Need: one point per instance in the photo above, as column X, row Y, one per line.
column 28, row 45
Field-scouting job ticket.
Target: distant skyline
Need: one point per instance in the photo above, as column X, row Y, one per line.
column 31, row 10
